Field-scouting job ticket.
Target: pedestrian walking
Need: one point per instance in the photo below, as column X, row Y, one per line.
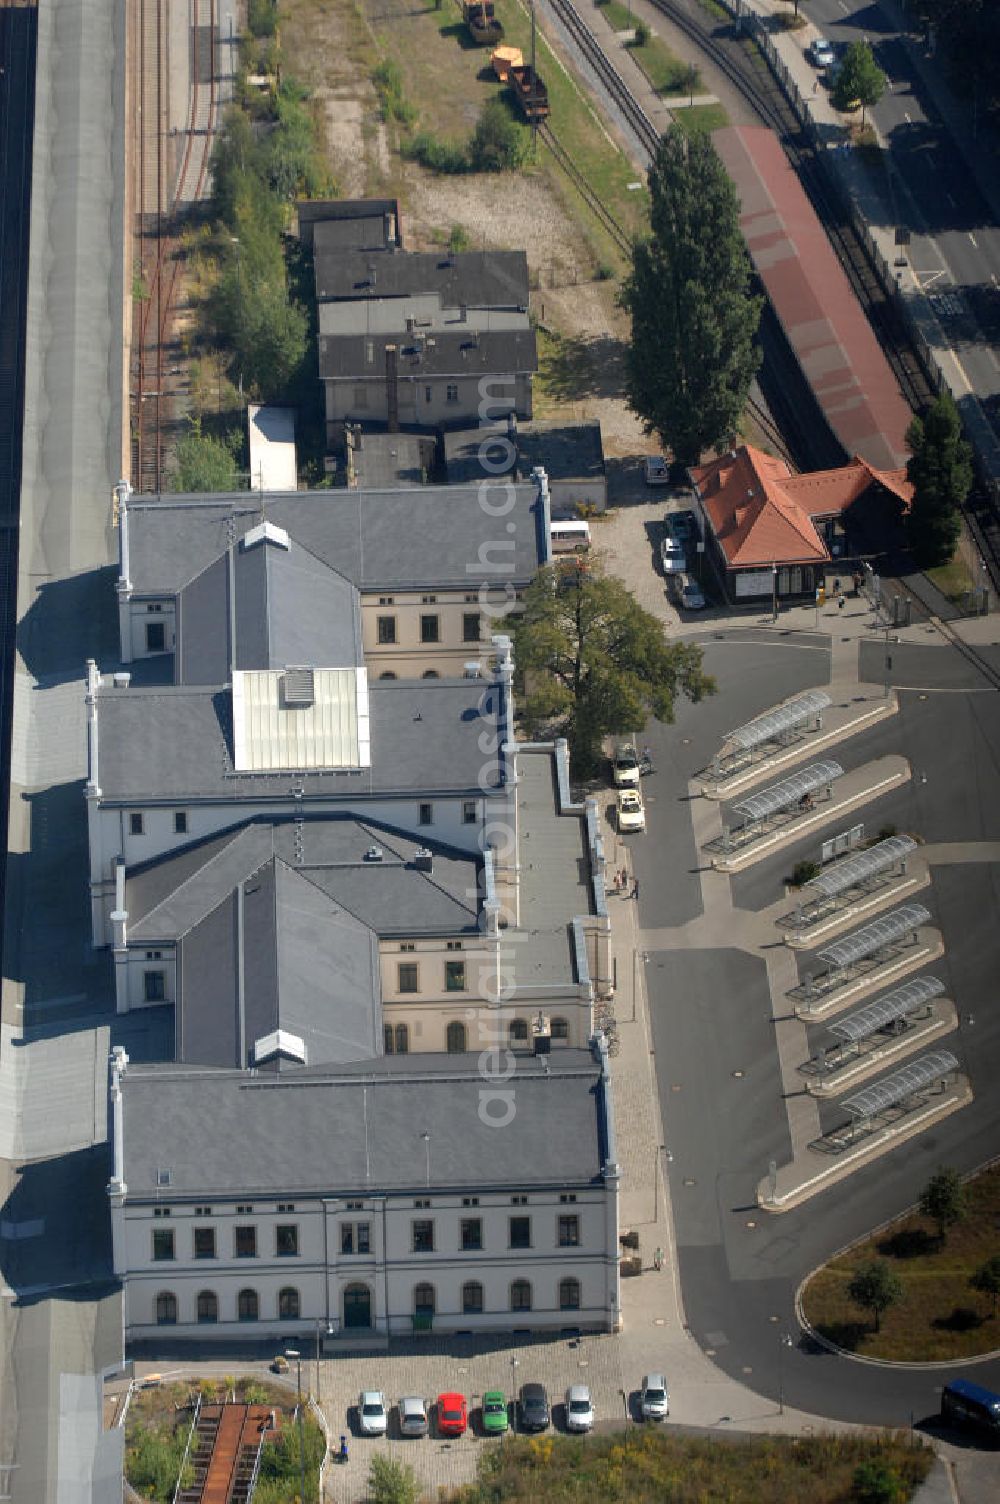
column 658, row 1258
column 635, row 890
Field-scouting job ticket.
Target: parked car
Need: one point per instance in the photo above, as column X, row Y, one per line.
column 657, row 470
column 372, row 1415
column 535, row 1413
column 279, row 1364
column 654, row 1401
column 683, row 526
column 821, row 53
column 579, row 1408
column 412, row 1416
column 672, row 555
column 452, row 1415
column 688, row 593
column 625, row 769
column 494, row 1412
column 631, row 811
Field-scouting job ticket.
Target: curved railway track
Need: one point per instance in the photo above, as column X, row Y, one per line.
column 157, row 207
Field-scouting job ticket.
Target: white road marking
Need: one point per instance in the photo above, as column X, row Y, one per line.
column 973, row 239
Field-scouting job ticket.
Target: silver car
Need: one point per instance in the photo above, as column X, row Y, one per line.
column 579, row 1408
column 412, row 1416
column 372, row 1413
column 654, row 1401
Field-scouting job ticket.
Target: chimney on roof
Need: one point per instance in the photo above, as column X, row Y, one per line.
column 373, row 854
column 423, row 859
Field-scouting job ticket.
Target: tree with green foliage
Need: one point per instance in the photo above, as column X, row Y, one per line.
column 943, row 1201
column 940, row 471
column 875, row 1482
column 692, row 355
column 262, row 17
column 595, row 662
column 859, row 78
column 153, row 1461
column 202, row 463
column 498, row 143
column 280, row 1462
column 391, row 1482
column 986, row 1280
column 875, row 1288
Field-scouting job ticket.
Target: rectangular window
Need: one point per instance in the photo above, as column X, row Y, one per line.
column 454, row 976
column 453, row 945
column 408, row 978
column 470, row 626
column 425, row 814
column 429, row 600
column 423, row 1237
column 204, row 1242
column 245, row 1242
column 163, row 1243
column 286, row 1240
column 154, row 986
column 407, row 945
column 156, row 637
column 386, row 629
column 520, row 1232
column 430, row 629
column 428, row 391
column 470, row 1200
column 347, row 1237
column 452, row 393
column 472, row 1233
column 421, row 1201
column 470, row 813
column 472, row 1299
column 364, row 1237
column 570, row 1196
column 180, row 822
column 286, row 1206
column 518, row 1200
column 135, row 823
column 569, row 1232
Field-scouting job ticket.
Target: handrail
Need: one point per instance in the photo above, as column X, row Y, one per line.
column 187, row 1448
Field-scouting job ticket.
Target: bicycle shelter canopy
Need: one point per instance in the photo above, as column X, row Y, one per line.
column 851, row 871
column 874, row 937
column 905, row 1082
column 790, row 791
column 775, row 725
column 895, row 1005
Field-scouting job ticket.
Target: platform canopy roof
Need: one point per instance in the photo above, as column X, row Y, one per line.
column 783, row 795
column 776, row 723
column 860, row 866
column 872, row 937
column 903, row 1083
column 886, row 1010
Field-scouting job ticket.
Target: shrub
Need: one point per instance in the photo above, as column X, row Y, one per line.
column 874, row 1482
column 498, row 142
column 202, row 464
column 391, row 1482
column 803, row 872
column 641, row 34
column 262, row 17
column 605, row 272
column 438, row 156
column 388, row 81
column 458, row 239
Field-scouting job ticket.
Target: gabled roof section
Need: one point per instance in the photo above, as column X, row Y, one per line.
column 265, row 532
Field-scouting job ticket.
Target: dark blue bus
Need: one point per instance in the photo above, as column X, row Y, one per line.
column 967, row 1404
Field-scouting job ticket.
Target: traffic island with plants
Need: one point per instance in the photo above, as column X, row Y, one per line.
column 158, row 1425
column 924, row 1289
column 646, row 1467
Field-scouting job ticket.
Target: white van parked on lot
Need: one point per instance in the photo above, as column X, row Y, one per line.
column 570, row 536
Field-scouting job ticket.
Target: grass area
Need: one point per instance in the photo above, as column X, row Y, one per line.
column 941, row 1317
column 701, row 117
column 647, row 1467
column 575, row 369
column 667, row 73
column 952, row 579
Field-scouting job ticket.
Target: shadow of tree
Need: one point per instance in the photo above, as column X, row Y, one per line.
column 908, row 1243
column 575, row 367
column 846, row 1334
column 960, row 1319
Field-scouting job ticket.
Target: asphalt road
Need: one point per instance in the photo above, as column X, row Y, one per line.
column 955, row 246
column 711, row 1017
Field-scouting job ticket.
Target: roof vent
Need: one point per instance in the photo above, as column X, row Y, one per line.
column 298, row 688
column 473, row 669
column 423, row 859
column 266, row 532
column 373, row 854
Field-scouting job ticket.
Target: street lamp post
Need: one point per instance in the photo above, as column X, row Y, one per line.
column 774, row 592
column 514, row 1364
column 291, row 1352
column 783, row 1342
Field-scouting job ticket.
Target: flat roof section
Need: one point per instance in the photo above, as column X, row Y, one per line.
column 813, row 300
column 272, row 448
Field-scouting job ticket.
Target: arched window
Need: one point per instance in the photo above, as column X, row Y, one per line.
column 208, row 1305
column 456, row 1038
column 387, row 676
column 288, row 1304
column 247, row 1305
column 472, row 1298
column 569, row 1295
column 430, row 674
column 519, row 1031
column 424, row 1300
column 402, row 1039
column 166, row 1308
column 520, row 1295
column 560, row 1028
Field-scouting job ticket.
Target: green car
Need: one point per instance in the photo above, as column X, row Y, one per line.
column 494, row 1412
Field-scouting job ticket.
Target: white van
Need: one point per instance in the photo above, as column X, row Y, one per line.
column 570, row 537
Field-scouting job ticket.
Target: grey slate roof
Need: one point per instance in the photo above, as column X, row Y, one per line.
column 566, row 451
column 223, row 1135
column 358, row 357
column 172, row 744
column 287, row 607
column 479, row 279
column 339, row 212
column 556, row 881
column 423, row 538
column 167, row 897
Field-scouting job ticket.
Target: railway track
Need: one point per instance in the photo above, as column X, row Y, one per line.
column 159, row 204
column 593, row 200
column 632, row 112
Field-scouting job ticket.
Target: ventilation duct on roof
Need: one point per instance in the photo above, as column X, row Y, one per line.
column 423, row 859
column 298, row 688
column 373, row 854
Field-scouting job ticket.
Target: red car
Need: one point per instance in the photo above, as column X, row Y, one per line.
column 452, row 1415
